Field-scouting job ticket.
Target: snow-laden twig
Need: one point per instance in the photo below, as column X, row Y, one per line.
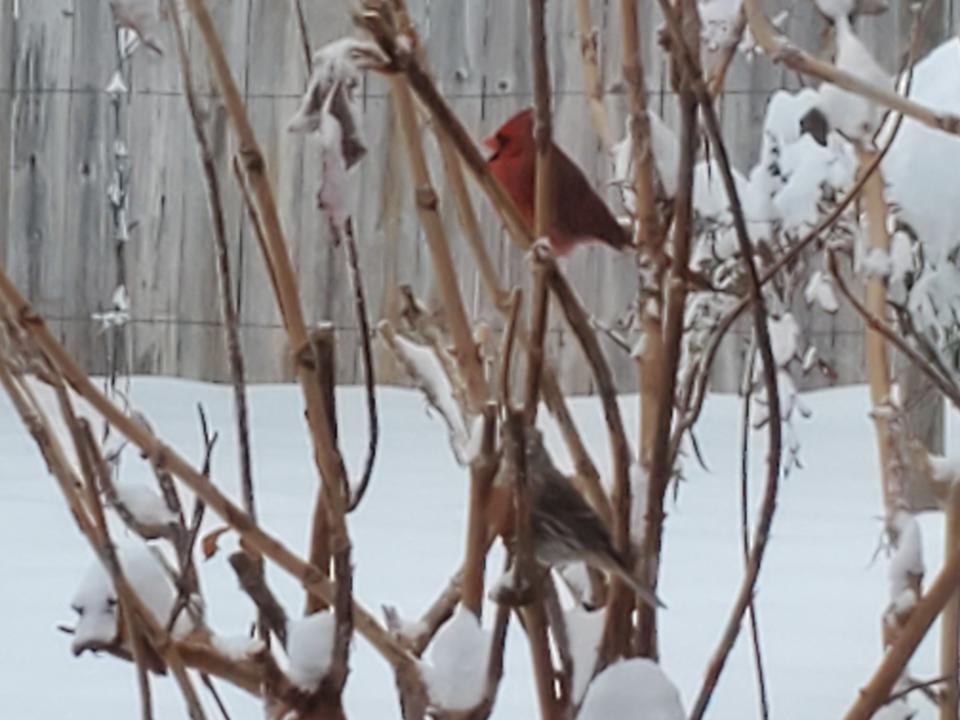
column 780, row 49
column 946, row 385
column 225, row 284
column 427, row 373
column 695, row 394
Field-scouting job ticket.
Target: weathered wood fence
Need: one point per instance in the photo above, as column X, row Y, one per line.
column 57, row 136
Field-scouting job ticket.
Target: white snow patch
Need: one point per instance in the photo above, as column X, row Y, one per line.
column 907, row 560
column 784, row 338
column 456, row 675
column 876, row 263
column 237, row 647
column 632, row 688
column 819, row 290
column 146, row 504
column 95, row 600
column 945, row 469
column 853, row 115
column 666, row 152
column 921, row 165
column 310, row 648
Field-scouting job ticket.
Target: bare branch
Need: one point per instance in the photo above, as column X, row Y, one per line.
column 249, row 571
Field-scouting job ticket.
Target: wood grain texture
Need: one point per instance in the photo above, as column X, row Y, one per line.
column 57, row 57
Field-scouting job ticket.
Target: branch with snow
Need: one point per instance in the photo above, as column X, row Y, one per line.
column 427, row 373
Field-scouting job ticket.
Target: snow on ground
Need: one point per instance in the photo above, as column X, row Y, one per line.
column 819, row 603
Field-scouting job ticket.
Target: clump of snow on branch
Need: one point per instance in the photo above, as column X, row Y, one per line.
column 853, row 115
column 920, row 167
column 666, row 151
column 784, row 338
column 921, row 189
column 237, row 647
column 456, row 674
column 906, row 564
column 820, row 291
column 945, row 469
column 119, row 313
column 96, row 602
column 795, row 172
column 427, row 373
column 310, row 643
column 145, row 504
column 632, row 688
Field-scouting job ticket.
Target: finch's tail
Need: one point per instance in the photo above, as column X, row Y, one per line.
column 640, row 588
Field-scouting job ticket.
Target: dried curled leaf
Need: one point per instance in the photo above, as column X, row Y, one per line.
column 331, row 90
column 211, row 541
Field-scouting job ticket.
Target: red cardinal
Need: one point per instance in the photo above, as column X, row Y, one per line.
column 577, row 214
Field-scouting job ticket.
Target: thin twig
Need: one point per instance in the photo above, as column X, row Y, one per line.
column 249, row 571
column 543, row 210
column 301, row 22
column 650, row 234
column 913, row 687
column 592, row 79
column 538, row 331
column 369, row 376
column 661, row 467
column 467, row 355
column 506, row 351
column 228, row 310
column 944, row 385
column 747, row 387
column 276, row 255
column 762, row 331
column 483, row 469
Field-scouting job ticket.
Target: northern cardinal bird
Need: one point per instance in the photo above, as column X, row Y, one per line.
column 577, row 214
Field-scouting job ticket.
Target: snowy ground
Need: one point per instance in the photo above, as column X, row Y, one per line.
column 819, row 599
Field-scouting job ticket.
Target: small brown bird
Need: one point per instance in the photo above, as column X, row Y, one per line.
column 565, row 528
column 577, row 213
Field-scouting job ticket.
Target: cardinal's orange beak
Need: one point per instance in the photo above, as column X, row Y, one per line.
column 492, row 145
